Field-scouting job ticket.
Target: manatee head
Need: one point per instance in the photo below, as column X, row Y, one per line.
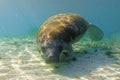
column 51, row 51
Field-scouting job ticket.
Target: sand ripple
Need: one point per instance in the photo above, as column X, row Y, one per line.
column 20, row 60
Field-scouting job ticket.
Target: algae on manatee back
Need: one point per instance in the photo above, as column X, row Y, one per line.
column 58, row 33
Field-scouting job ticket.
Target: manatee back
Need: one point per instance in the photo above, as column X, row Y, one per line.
column 67, row 27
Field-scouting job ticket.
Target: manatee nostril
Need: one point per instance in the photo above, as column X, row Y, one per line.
column 52, row 59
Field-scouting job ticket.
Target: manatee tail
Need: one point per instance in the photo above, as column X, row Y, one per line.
column 95, row 33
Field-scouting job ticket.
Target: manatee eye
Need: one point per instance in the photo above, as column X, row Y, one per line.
column 43, row 49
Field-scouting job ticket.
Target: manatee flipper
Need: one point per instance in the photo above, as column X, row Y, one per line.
column 94, row 32
column 71, row 54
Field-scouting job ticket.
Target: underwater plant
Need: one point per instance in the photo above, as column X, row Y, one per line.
column 32, row 32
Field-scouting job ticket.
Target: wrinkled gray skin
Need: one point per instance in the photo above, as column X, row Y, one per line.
column 53, row 50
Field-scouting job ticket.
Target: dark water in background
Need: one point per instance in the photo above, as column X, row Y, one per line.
column 18, row 17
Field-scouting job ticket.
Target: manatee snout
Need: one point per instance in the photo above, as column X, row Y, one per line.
column 52, row 53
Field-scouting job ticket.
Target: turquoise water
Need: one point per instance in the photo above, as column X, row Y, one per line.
column 20, row 59
column 18, row 17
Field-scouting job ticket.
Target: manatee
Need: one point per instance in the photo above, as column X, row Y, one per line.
column 60, row 31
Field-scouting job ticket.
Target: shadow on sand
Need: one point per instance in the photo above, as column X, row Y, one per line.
column 85, row 64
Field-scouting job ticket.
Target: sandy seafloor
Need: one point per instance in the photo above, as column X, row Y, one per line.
column 20, row 60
